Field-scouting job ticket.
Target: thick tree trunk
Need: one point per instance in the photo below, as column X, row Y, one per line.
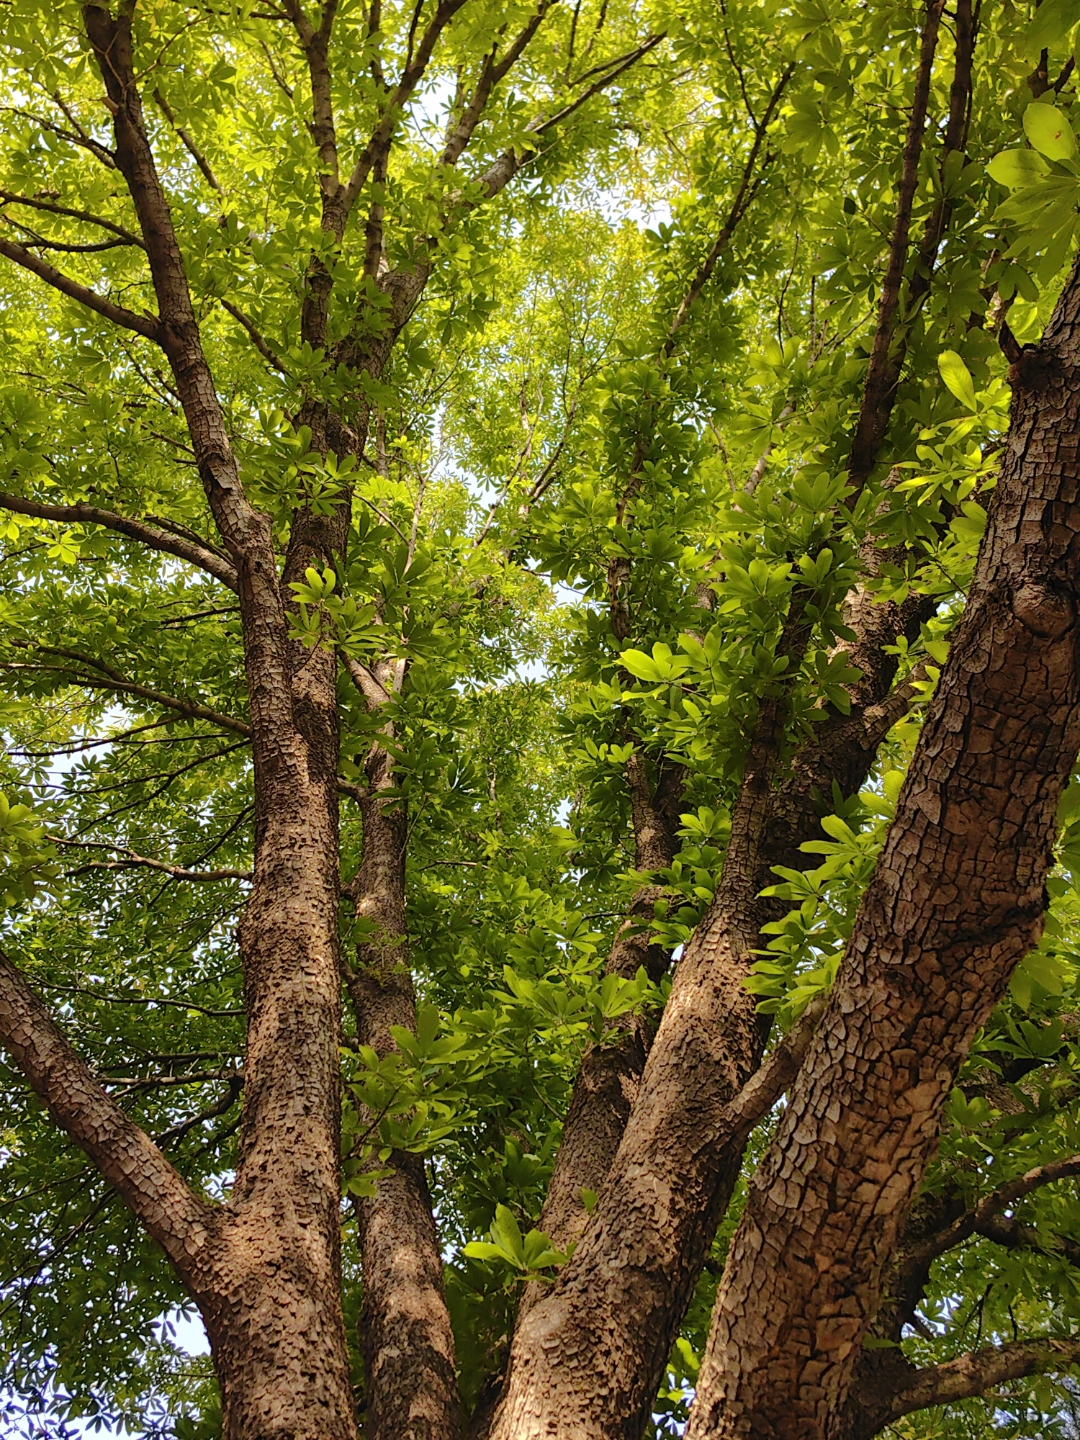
column 956, row 901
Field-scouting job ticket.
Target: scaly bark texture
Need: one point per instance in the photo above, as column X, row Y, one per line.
column 270, row 1294
column 955, row 903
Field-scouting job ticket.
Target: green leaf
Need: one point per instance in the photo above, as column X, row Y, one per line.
column 957, row 377
column 1049, row 131
column 1017, row 168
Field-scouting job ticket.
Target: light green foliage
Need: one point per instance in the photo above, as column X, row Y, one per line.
column 489, row 507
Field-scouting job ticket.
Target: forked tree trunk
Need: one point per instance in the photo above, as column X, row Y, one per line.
column 956, row 901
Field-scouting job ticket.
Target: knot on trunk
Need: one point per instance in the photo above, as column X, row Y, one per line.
column 1045, row 612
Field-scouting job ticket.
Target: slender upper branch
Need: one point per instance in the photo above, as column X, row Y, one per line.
column 995, row 1202
column 880, row 380
column 127, row 1157
column 106, row 678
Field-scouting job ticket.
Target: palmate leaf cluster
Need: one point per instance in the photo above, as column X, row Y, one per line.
column 529, row 378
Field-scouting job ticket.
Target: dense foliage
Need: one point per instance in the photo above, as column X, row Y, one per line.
column 560, row 399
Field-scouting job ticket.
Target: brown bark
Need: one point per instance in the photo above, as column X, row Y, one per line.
column 271, row 1299
column 405, row 1334
column 956, row 901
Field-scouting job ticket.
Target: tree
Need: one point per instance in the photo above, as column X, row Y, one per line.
column 435, row 599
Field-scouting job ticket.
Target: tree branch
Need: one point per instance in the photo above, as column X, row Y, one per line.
column 977, row 1373
column 125, row 1155
column 993, row 1204
column 738, row 208
column 145, row 534
column 113, row 680
column 145, row 325
column 876, row 406
column 491, row 72
column 9, row 197
column 129, row 858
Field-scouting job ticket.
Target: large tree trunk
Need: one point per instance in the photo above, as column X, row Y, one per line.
column 955, row 903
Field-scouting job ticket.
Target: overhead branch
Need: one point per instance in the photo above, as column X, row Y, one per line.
column 154, row 537
column 189, row 144
column 993, row 1204
column 982, row 1371
column 510, row 162
column 262, row 345
column 411, row 75
column 125, row 1155
column 104, row 677
column 743, row 196
column 491, row 72
column 34, row 202
column 129, row 859
column 146, row 325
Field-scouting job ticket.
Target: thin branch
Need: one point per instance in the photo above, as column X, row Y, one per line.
column 34, row 202
column 142, row 1000
column 491, row 72
column 152, row 536
column 981, row 1371
column 265, row 349
column 113, row 680
column 188, row 143
column 129, row 858
column 222, row 1107
column 994, row 1203
column 876, row 406
column 738, row 209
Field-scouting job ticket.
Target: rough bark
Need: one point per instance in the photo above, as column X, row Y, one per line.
column 405, row 1334
column 271, row 1300
column 955, row 903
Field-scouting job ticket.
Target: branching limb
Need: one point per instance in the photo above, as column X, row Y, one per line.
column 491, row 72
column 146, row 325
column 743, row 196
column 9, row 197
column 153, row 536
column 221, row 1107
column 189, row 144
column 126, row 1157
column 112, row 680
column 128, row 859
column 503, row 170
column 992, row 1205
column 982, row 1371
column 265, row 349
column 878, row 388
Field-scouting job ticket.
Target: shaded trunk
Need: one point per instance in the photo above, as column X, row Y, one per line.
column 405, row 1334
column 956, row 901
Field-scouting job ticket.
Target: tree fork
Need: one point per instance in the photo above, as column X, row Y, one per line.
column 956, row 902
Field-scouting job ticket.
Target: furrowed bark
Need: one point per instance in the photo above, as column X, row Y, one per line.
column 272, row 1304
column 587, row 1358
column 956, row 902
column 405, row 1334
